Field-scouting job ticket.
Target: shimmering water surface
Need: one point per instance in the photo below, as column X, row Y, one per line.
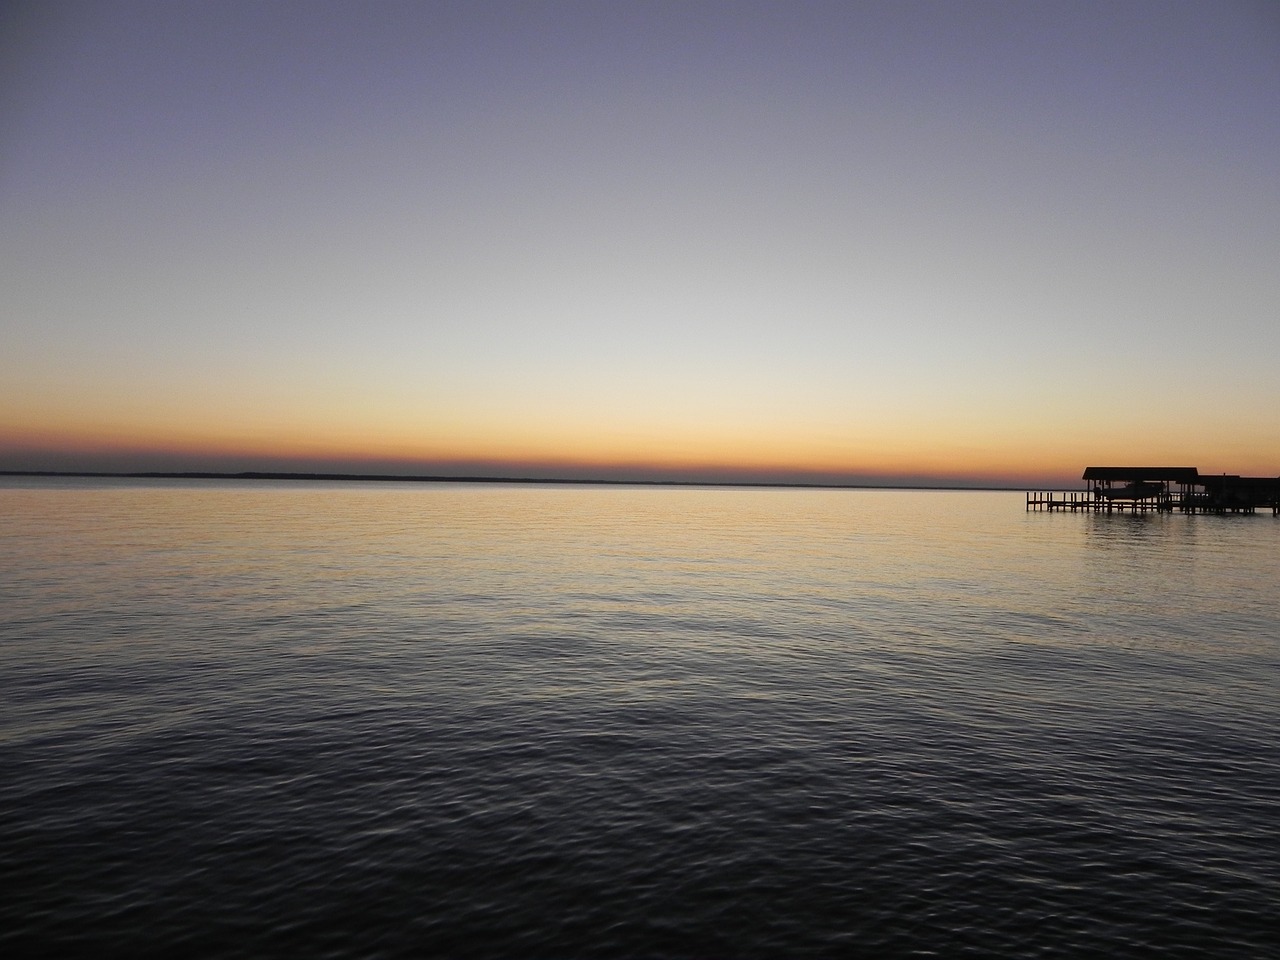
column 525, row 721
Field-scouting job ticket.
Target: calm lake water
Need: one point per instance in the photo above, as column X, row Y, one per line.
column 291, row 719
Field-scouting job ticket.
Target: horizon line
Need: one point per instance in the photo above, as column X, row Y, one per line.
column 441, row 478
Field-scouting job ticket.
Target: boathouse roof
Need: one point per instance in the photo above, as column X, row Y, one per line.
column 1228, row 480
column 1135, row 474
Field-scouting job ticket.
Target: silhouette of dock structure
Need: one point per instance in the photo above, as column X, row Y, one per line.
column 1162, row 490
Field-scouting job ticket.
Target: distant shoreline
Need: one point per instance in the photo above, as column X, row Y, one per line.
column 431, row 478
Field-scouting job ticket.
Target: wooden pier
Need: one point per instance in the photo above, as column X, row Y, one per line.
column 1162, row 490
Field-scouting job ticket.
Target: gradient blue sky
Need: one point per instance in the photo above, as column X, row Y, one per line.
column 957, row 242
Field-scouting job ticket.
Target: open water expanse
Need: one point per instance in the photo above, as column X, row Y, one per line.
column 303, row 719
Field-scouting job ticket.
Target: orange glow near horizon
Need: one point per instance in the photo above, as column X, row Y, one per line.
column 677, row 428
column 642, row 451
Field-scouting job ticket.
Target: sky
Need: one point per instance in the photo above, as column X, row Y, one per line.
column 906, row 242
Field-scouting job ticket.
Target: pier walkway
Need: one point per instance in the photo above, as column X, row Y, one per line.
column 1162, row 490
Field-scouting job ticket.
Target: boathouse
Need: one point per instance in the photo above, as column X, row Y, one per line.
column 1139, row 484
column 1163, row 489
column 1229, row 493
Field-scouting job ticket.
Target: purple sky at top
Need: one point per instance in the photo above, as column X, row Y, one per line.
column 129, row 89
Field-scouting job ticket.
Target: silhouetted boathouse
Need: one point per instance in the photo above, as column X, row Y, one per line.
column 1163, row 489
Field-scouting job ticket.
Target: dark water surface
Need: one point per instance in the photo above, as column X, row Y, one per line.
column 483, row 721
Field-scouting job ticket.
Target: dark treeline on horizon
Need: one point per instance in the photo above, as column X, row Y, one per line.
column 434, row 478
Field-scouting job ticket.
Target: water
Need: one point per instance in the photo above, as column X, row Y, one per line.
column 281, row 719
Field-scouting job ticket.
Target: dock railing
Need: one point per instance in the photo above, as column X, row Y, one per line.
column 1060, row 500
column 1184, row 500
